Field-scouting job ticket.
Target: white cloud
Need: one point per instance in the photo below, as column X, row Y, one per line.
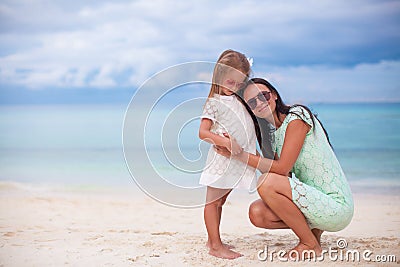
column 104, row 44
column 364, row 82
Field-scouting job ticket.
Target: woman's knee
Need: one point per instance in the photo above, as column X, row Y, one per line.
column 254, row 214
column 261, row 216
column 268, row 184
column 257, row 213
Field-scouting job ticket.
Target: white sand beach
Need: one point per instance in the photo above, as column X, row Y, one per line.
column 47, row 226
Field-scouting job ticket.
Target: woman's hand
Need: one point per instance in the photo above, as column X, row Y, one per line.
column 234, row 147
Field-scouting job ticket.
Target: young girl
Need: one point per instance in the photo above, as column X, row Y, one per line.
column 224, row 114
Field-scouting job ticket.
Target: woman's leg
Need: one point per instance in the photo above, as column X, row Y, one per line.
column 212, row 216
column 261, row 215
column 275, row 190
column 317, row 233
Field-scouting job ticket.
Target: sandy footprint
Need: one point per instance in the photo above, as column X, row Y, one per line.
column 164, row 233
column 94, row 238
column 9, row 234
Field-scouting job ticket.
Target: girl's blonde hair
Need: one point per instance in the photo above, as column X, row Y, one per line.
column 228, row 60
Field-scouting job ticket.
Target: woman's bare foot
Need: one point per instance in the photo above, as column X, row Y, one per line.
column 224, row 252
column 317, row 233
column 303, row 251
column 225, row 245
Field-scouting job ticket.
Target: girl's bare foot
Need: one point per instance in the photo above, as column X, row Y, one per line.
column 224, row 253
column 225, row 245
column 303, row 251
column 317, row 233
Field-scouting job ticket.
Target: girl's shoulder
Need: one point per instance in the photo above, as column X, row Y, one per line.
column 212, row 108
column 220, row 100
column 212, row 102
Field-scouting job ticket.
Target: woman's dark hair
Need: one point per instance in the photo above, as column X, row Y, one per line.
column 264, row 130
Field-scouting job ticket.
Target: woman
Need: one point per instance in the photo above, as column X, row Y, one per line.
column 319, row 197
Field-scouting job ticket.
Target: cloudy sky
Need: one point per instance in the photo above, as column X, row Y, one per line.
column 333, row 50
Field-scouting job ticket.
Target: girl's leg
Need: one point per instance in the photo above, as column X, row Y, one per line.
column 212, row 216
column 223, row 200
column 215, row 198
column 275, row 190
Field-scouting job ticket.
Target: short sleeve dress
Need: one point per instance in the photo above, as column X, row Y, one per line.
column 320, row 189
column 229, row 116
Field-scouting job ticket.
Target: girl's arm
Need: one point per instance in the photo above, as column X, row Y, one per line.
column 294, row 139
column 215, row 139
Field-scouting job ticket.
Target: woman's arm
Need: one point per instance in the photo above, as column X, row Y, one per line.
column 296, row 132
column 215, row 139
column 294, row 139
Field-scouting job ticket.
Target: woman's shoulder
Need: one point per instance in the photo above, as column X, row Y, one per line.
column 301, row 113
column 298, row 109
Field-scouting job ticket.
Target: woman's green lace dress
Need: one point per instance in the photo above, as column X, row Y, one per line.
column 320, row 188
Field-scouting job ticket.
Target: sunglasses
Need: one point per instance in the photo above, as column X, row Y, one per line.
column 263, row 96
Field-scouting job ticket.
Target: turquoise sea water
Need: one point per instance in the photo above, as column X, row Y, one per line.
column 82, row 144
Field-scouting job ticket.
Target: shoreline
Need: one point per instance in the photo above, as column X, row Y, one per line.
column 385, row 187
column 44, row 226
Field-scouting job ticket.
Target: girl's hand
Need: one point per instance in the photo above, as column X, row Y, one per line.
column 234, row 147
column 222, row 151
